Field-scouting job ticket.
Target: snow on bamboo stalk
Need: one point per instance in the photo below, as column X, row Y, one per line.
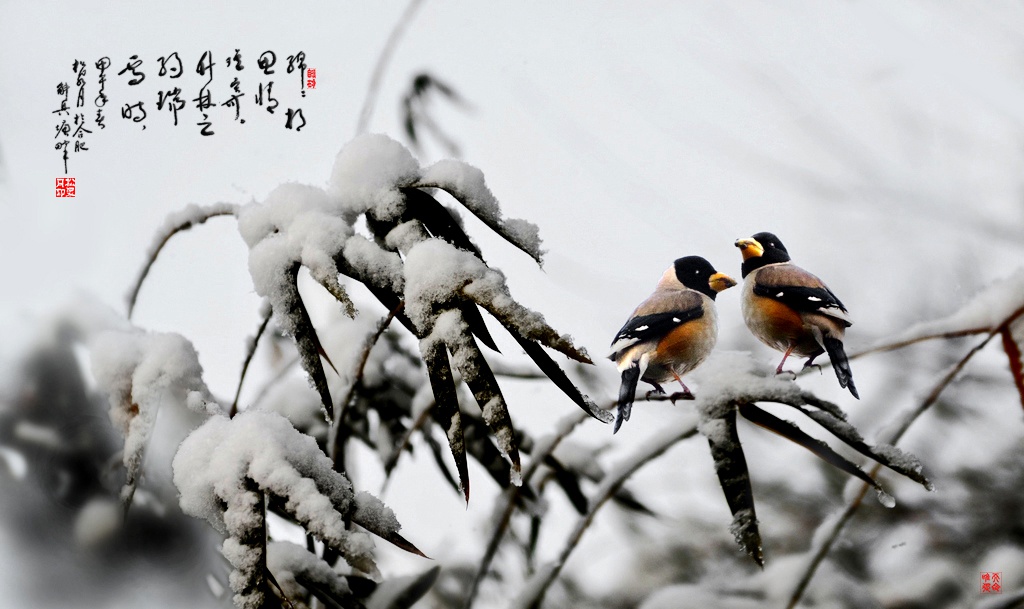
column 140, row 372
column 224, row 469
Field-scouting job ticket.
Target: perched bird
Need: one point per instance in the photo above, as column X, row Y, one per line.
column 791, row 310
column 671, row 332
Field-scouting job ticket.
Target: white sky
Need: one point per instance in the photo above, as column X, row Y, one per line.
column 881, row 141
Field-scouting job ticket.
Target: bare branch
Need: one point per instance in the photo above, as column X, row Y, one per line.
column 357, row 377
column 248, row 358
column 932, row 397
column 537, row 586
column 382, row 62
column 192, row 215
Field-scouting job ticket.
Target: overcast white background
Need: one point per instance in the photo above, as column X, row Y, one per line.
column 883, row 142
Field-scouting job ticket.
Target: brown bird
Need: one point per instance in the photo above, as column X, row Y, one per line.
column 791, row 310
column 671, row 332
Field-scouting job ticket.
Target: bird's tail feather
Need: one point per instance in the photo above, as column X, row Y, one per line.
column 630, row 377
column 840, row 363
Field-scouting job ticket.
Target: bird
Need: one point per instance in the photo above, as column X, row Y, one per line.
column 671, row 332
column 791, row 310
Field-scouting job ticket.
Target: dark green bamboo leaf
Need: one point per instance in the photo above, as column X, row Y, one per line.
column 403, row 592
column 793, row 433
column 568, row 483
column 888, row 456
column 558, row 377
column 308, row 345
column 731, row 467
column 447, row 412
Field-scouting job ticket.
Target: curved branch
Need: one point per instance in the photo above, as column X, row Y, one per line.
column 337, row 440
column 537, row 585
column 932, row 397
column 378, row 71
column 541, row 451
column 248, row 358
column 189, row 217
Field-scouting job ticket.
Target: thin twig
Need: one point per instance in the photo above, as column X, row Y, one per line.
column 541, row 451
column 932, row 397
column 283, row 370
column 218, row 209
column 357, row 377
column 537, row 586
column 382, row 61
column 248, row 359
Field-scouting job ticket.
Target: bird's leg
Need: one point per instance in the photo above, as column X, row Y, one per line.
column 784, row 356
column 810, row 363
column 658, row 389
column 686, row 390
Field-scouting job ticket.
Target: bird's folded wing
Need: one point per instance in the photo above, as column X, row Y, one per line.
column 799, row 290
column 656, row 317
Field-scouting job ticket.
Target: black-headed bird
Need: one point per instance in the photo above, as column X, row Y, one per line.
column 671, row 332
column 791, row 310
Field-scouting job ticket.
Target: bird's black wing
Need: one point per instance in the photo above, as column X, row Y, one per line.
column 654, row 326
column 801, row 298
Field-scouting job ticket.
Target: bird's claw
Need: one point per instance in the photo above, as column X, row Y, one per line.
column 681, row 395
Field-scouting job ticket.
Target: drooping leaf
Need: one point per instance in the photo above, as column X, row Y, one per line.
column 821, row 450
column 308, row 344
column 731, row 467
column 403, row 592
column 480, row 380
column 558, row 377
column 447, row 413
column 889, row 456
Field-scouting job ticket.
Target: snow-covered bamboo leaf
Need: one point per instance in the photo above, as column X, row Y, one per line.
column 310, row 350
column 821, row 450
column 447, row 414
column 403, row 592
column 223, row 469
column 889, row 456
column 437, row 219
column 140, row 372
column 478, row 377
column 1013, row 338
column 296, row 570
column 731, row 467
column 466, row 183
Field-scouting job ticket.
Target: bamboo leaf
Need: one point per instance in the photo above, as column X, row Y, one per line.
column 821, row 450
column 447, row 412
column 558, row 377
column 733, row 475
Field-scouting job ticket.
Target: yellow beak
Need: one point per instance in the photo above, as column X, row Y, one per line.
column 721, row 281
column 750, row 248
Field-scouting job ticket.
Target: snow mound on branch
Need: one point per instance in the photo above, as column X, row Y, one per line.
column 367, row 174
column 297, row 570
column 293, row 226
column 140, row 372
column 224, row 469
column 370, row 170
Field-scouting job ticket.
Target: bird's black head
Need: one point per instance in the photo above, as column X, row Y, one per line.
column 697, row 274
column 760, row 250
